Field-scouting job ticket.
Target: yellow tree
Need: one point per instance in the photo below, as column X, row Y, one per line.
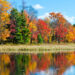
column 70, row 37
column 26, row 17
column 32, row 26
column 4, row 18
column 33, row 29
column 74, row 33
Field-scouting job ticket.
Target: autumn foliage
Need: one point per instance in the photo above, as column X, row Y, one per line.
column 60, row 32
column 23, row 27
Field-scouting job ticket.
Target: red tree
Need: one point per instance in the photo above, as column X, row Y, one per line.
column 43, row 28
column 12, row 30
column 60, row 32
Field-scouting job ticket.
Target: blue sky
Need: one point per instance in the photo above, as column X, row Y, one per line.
column 66, row 7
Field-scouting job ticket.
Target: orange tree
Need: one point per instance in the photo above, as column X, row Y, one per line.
column 59, row 25
column 33, row 29
column 4, row 19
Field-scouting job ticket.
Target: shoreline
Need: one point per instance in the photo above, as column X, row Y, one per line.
column 44, row 48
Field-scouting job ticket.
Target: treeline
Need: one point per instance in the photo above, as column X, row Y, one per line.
column 20, row 27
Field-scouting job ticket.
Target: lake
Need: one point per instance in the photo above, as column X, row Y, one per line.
column 61, row 63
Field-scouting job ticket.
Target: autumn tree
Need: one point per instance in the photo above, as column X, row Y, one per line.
column 47, row 20
column 70, row 36
column 56, row 19
column 59, row 25
column 60, row 33
column 43, row 29
column 33, row 30
column 4, row 19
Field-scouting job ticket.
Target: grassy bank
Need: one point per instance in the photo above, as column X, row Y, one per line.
column 43, row 48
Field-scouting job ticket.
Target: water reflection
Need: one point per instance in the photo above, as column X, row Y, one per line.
column 50, row 71
column 70, row 71
column 38, row 64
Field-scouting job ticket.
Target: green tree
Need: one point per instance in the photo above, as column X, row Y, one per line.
column 15, row 17
column 22, row 32
column 24, row 28
column 40, row 39
column 74, row 25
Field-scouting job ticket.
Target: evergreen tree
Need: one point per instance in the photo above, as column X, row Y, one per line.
column 16, row 34
column 74, row 25
column 24, row 28
column 40, row 39
column 12, row 26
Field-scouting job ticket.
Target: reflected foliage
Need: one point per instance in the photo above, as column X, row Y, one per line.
column 28, row 64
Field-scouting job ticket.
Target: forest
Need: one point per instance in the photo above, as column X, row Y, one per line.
column 22, row 27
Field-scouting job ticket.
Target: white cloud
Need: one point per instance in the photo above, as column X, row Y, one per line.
column 70, row 19
column 44, row 15
column 37, row 6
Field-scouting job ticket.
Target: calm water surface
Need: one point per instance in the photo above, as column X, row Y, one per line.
column 38, row 64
